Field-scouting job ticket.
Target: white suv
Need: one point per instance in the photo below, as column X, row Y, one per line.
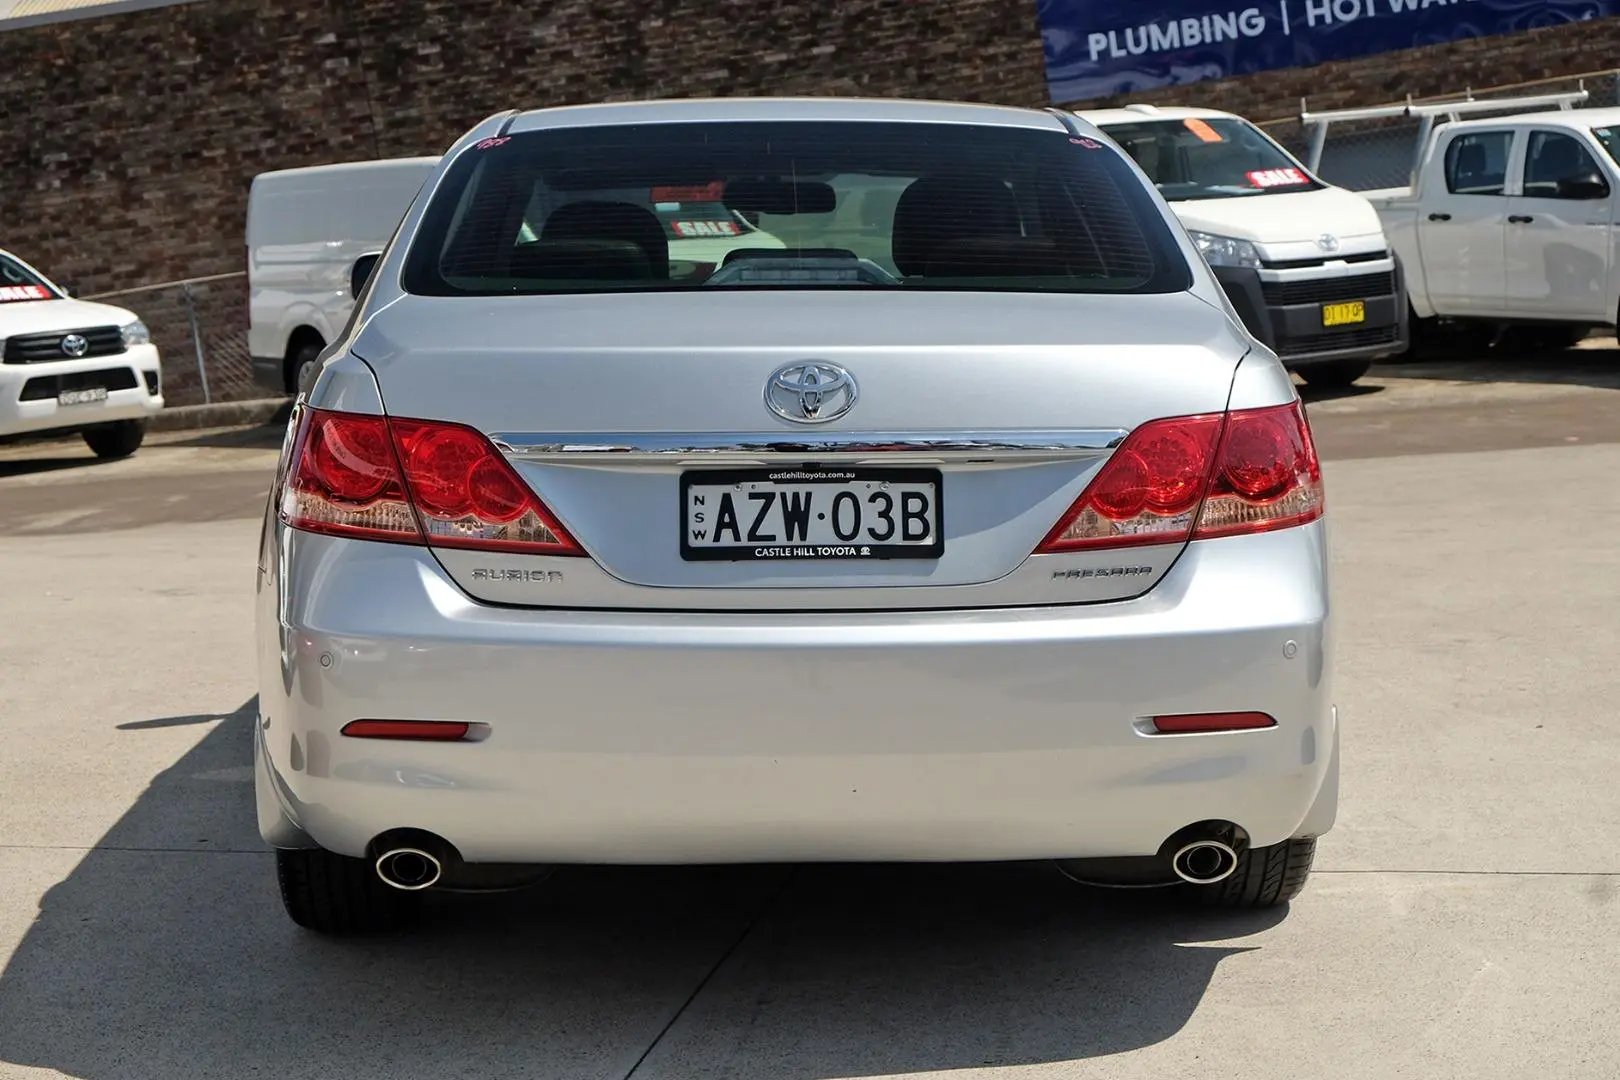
column 74, row 366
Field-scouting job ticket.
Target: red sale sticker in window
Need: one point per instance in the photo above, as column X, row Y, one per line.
column 12, row 294
column 695, row 229
column 1270, row 178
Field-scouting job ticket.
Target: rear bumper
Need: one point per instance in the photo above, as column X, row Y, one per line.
column 678, row 737
column 28, row 392
column 1295, row 332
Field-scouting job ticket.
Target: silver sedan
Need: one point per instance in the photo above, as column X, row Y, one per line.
column 797, row 480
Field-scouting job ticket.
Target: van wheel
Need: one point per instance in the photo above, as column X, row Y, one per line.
column 1335, row 374
column 306, row 365
column 1265, row 877
column 334, row 894
column 118, row 439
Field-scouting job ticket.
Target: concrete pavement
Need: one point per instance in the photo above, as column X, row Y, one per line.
column 1461, row 923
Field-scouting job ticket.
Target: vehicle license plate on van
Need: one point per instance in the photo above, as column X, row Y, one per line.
column 1344, row 314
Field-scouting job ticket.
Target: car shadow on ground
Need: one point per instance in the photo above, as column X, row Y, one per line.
column 1596, row 364
column 164, row 953
column 1310, row 395
column 266, row 436
column 53, row 456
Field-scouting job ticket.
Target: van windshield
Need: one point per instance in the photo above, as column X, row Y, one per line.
column 18, row 284
column 1610, row 138
column 1214, row 158
column 794, row 204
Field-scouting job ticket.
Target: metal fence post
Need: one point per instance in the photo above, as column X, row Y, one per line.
column 196, row 339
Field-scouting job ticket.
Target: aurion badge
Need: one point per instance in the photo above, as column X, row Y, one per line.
column 75, row 345
column 810, row 392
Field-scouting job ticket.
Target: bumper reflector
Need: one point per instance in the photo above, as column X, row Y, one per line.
column 1203, row 723
column 420, row 730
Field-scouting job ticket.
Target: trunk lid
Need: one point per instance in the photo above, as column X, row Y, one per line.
column 604, row 402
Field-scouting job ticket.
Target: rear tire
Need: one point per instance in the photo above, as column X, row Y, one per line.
column 118, row 439
column 1265, row 877
column 334, row 894
column 1335, row 374
column 304, row 367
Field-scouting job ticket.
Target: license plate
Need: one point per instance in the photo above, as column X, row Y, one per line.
column 1344, row 314
column 759, row 514
column 82, row 397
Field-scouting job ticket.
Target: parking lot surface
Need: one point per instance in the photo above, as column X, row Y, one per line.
column 1461, row 922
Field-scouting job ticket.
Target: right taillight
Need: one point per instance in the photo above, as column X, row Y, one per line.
column 412, row 482
column 1266, row 477
column 1197, row 477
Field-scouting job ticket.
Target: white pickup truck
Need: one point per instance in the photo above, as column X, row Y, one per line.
column 1511, row 224
column 71, row 366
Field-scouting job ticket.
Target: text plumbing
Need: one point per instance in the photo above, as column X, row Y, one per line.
column 1236, row 24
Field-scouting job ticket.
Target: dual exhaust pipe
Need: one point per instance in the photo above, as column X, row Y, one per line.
column 413, row 860
column 409, row 869
column 1205, row 861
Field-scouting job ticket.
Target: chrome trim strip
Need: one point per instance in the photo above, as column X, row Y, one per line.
column 1330, row 271
column 758, row 446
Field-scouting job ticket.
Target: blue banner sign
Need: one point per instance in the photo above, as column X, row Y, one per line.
column 1097, row 48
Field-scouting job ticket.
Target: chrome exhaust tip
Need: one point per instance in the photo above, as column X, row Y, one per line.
column 409, row 869
column 1205, row 862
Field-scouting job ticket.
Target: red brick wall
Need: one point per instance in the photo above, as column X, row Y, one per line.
column 129, row 141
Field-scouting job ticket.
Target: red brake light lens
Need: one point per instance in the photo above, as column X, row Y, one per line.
column 1206, row 723
column 413, row 482
column 1269, row 476
column 1147, row 493
column 1198, row 477
column 343, row 480
column 469, row 496
column 410, row 730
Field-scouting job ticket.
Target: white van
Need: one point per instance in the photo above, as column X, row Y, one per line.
column 1306, row 265
column 313, row 235
column 306, row 230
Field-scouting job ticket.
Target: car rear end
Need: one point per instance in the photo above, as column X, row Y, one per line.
column 986, row 539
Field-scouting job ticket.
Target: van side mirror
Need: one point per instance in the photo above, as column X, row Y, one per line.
column 361, row 274
column 70, row 288
column 1586, row 186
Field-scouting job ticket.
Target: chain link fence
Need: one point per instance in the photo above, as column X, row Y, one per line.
column 1376, row 153
column 200, row 326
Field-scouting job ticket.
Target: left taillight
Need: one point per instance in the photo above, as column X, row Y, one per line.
column 412, row 482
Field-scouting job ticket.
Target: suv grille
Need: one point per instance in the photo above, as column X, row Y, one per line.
column 1345, row 339
column 44, row 348
column 46, row 387
column 1328, row 290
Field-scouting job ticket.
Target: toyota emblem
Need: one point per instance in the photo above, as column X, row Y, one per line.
column 1328, row 242
column 75, row 345
column 810, row 392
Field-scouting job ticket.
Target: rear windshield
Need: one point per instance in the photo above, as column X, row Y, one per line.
column 18, row 284
column 1215, row 158
column 792, row 205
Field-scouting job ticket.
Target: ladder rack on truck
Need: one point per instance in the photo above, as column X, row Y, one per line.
column 1429, row 115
